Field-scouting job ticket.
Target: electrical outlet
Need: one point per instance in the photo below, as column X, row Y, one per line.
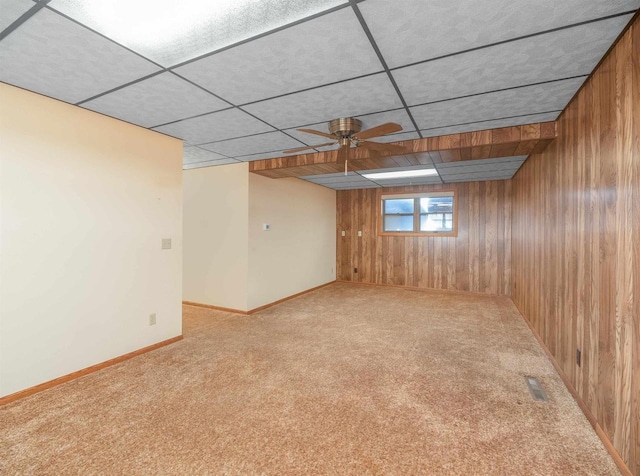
column 166, row 243
column 359, row 233
column 344, row 233
column 355, row 270
column 152, row 319
column 578, row 357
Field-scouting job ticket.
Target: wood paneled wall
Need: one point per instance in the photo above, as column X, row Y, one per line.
column 576, row 246
column 477, row 259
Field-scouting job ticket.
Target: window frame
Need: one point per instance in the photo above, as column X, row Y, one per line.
column 416, row 196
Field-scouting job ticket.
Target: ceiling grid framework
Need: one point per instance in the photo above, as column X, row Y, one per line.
column 240, row 93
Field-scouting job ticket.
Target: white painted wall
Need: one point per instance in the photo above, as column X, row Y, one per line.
column 84, row 203
column 230, row 262
column 299, row 250
column 216, row 217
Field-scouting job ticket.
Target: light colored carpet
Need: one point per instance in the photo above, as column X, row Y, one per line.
column 348, row 379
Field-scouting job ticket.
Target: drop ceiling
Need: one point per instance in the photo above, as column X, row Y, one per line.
column 235, row 84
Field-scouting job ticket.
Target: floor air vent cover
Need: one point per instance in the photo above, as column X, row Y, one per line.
column 535, row 388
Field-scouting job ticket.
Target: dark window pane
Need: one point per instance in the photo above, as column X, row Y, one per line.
column 436, row 222
column 436, row 205
column 398, row 205
column 398, row 223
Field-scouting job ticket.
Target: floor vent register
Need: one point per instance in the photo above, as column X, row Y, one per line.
column 536, row 390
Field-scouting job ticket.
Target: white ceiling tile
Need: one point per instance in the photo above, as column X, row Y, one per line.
column 492, row 124
column 173, row 32
column 479, row 177
column 556, row 55
column 480, row 169
column 359, row 184
column 407, row 31
column 157, row 100
column 322, row 177
column 403, row 182
column 52, row 55
column 191, row 154
column 269, row 142
column 211, row 163
column 290, row 60
column 446, row 167
column 502, row 104
column 12, row 10
column 340, row 179
column 399, row 116
column 217, row 126
column 352, row 186
column 350, row 98
column 261, row 156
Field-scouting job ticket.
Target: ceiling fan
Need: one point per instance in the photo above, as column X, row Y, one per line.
column 347, row 132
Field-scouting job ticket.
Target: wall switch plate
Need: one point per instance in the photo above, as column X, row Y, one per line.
column 359, row 233
column 266, row 227
column 344, row 233
column 166, row 243
column 152, row 319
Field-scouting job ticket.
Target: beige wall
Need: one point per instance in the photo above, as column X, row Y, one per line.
column 216, row 201
column 299, row 251
column 84, row 203
column 229, row 261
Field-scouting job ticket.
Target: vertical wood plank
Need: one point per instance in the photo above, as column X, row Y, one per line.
column 429, row 262
column 575, row 245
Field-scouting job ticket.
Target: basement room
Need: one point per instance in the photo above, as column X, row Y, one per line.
column 285, row 237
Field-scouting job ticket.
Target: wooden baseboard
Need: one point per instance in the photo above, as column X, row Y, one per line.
column 257, row 309
column 416, row 288
column 583, row 406
column 81, row 373
column 216, row 308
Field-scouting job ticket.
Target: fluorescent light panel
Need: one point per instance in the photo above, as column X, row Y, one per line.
column 170, row 31
column 401, row 174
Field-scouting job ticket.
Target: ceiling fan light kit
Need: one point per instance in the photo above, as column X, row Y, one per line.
column 347, row 131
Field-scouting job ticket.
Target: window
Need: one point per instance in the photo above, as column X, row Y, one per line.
column 419, row 213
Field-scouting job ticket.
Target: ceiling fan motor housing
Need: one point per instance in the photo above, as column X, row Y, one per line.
column 345, row 126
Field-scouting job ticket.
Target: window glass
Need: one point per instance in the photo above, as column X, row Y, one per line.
column 436, row 222
column 436, row 204
column 401, row 205
column 398, row 223
column 428, row 213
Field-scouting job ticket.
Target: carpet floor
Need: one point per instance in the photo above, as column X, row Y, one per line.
column 348, row 379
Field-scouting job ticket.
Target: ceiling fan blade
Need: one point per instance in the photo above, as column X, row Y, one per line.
column 391, row 148
column 318, row 133
column 380, row 130
column 343, row 153
column 300, row 149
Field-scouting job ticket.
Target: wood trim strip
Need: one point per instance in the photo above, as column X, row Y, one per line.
column 583, row 406
column 417, row 288
column 489, row 143
column 257, row 309
column 83, row 372
column 216, row 308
